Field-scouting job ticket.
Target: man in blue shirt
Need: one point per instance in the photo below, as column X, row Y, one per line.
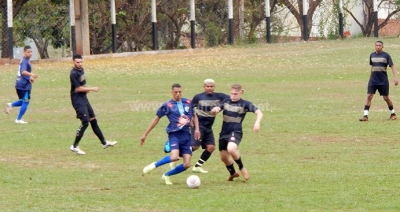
column 180, row 113
column 379, row 61
column 84, row 110
column 204, row 102
column 235, row 110
column 23, row 86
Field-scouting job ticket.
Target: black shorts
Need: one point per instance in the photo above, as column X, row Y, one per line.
column 23, row 94
column 382, row 89
column 224, row 139
column 207, row 138
column 84, row 112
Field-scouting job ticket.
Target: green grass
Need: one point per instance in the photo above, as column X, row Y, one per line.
column 312, row 153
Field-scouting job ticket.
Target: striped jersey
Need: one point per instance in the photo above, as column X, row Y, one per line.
column 204, row 102
column 379, row 63
column 234, row 114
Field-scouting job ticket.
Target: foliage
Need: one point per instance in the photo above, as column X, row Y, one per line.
column 329, row 19
column 213, row 34
column 312, row 153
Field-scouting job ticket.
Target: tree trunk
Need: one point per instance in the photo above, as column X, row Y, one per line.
column 241, row 19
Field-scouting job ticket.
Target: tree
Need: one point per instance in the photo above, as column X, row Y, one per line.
column 367, row 24
column 17, row 5
column 296, row 8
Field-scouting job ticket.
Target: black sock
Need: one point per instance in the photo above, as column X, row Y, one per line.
column 366, row 107
column 203, row 158
column 97, row 131
column 80, row 132
column 391, row 107
column 239, row 163
column 231, row 169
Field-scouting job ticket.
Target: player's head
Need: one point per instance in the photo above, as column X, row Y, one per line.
column 176, row 92
column 236, row 92
column 77, row 58
column 28, row 52
column 209, row 86
column 378, row 46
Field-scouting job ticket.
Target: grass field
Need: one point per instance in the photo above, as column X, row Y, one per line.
column 312, row 153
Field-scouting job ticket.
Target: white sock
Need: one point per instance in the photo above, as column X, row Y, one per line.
column 366, row 112
column 392, row 111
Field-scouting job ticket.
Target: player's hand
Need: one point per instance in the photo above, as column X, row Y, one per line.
column 142, row 140
column 32, row 80
column 96, row 89
column 396, row 82
column 34, row 76
column 215, row 110
column 256, row 127
column 197, row 135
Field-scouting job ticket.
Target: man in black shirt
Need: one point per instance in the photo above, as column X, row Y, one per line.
column 84, row 110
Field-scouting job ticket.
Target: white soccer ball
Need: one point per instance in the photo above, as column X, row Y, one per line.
column 193, row 181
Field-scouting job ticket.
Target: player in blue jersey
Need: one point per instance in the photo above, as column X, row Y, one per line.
column 84, row 110
column 379, row 61
column 180, row 114
column 23, row 86
column 204, row 102
column 234, row 111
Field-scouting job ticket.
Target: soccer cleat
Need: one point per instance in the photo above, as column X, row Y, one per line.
column 231, row 177
column 172, row 165
column 8, row 108
column 364, row 118
column 199, row 170
column 20, row 121
column 77, row 150
column 109, row 144
column 393, row 116
column 166, row 179
column 149, row 168
column 245, row 174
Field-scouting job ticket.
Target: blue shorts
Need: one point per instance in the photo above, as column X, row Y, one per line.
column 180, row 140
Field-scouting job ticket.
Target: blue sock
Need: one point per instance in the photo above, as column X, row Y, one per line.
column 22, row 110
column 165, row 160
column 17, row 103
column 178, row 169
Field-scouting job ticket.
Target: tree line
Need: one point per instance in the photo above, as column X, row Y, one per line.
column 46, row 22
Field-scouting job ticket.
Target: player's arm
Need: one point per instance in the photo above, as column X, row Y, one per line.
column 153, row 123
column 259, row 114
column 83, row 89
column 196, row 126
column 394, row 71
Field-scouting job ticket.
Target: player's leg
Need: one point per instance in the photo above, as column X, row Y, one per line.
column 225, row 158
column 96, row 129
column 384, row 92
column 26, row 96
column 82, row 114
column 17, row 103
column 370, row 94
column 235, row 154
column 208, row 144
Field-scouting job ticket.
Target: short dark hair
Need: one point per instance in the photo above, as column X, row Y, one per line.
column 176, row 85
column 379, row 42
column 77, row 56
column 27, row 47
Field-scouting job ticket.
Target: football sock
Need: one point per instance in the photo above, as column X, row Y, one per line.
column 239, row 163
column 391, row 109
column 366, row 110
column 178, row 169
column 165, row 160
column 97, row 131
column 203, row 158
column 22, row 110
column 17, row 103
column 231, row 169
column 80, row 132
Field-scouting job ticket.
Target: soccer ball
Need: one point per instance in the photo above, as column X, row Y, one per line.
column 193, row 181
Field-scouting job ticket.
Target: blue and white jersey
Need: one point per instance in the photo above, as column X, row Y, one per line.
column 179, row 114
column 22, row 82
